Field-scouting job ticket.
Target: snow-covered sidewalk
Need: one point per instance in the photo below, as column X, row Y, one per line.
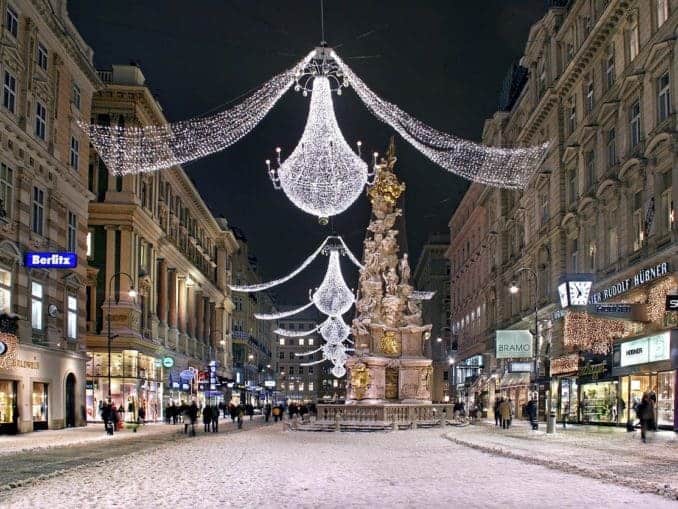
column 606, row 453
column 269, row 468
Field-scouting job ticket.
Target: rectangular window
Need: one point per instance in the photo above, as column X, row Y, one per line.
column 638, row 223
column 611, row 147
column 9, row 92
column 662, row 11
column 310, row 386
column 89, row 245
column 310, row 341
column 634, row 43
column 6, row 189
column 291, row 370
column 589, row 97
column 634, row 123
column 544, row 207
column 291, row 356
column 572, row 186
column 572, row 115
column 301, row 341
column 310, row 370
column 75, row 96
column 12, row 21
column 590, row 163
column 612, row 245
column 301, row 387
column 37, row 222
column 666, row 203
column 72, row 232
column 40, row 120
column 609, row 67
column 72, row 325
column 663, row 98
column 36, row 305
column 42, row 57
column 5, row 291
column 281, row 341
column 281, row 356
column 75, row 153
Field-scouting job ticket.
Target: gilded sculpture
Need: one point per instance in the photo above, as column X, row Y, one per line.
column 360, row 379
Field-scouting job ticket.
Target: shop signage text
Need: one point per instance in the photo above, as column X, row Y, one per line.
column 520, row 367
column 645, row 350
column 635, row 312
column 566, row 364
column 672, row 303
column 475, row 361
column 59, row 260
column 593, row 370
column 640, row 278
column 514, row 343
column 21, row 363
column 167, row 362
column 269, row 383
column 187, row 374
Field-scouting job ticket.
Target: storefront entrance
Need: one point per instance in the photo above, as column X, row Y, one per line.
column 661, row 384
column 39, row 405
column 8, row 407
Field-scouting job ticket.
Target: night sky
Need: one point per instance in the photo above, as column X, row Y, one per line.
column 441, row 61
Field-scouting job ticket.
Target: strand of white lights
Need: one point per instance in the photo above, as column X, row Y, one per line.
column 265, row 286
column 322, row 176
column 509, row 168
column 295, row 333
column 306, row 354
column 139, row 149
column 350, row 254
column 333, row 297
column 282, row 314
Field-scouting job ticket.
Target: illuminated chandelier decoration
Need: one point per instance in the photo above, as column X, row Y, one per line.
column 322, row 176
column 333, row 297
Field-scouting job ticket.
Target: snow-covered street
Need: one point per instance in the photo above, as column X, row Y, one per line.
column 266, row 467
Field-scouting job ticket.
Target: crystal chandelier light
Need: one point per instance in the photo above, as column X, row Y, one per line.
column 333, row 297
column 322, row 176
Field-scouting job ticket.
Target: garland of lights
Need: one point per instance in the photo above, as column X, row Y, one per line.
column 282, row 314
column 294, row 333
column 322, row 150
column 333, row 297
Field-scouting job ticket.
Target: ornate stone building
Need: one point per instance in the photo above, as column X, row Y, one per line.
column 154, row 234
column 432, row 273
column 596, row 80
column 48, row 84
column 253, row 340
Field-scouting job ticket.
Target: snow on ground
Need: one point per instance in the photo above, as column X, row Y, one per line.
column 267, row 467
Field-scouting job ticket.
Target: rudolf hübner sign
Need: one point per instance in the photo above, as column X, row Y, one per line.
column 514, row 344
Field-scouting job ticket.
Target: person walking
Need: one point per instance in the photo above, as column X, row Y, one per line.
column 267, row 411
column 241, row 414
column 531, row 411
column 207, row 418
column 645, row 411
column 250, row 410
column 215, row 419
column 512, row 407
column 497, row 416
column 142, row 415
column 193, row 416
column 505, row 412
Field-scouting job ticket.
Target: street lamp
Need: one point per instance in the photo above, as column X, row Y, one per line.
column 514, row 289
column 132, row 294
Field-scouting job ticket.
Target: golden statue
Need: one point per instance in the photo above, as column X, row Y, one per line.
column 389, row 343
column 360, row 379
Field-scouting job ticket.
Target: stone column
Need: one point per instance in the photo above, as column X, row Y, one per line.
column 207, row 323
column 213, row 337
column 190, row 311
column 161, row 308
column 181, row 304
column 199, row 322
column 172, row 298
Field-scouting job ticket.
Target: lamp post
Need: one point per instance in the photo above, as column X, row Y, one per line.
column 133, row 294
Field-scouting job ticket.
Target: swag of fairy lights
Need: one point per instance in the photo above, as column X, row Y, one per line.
column 322, row 175
column 333, row 298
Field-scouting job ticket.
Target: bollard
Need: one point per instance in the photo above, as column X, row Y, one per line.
column 551, row 423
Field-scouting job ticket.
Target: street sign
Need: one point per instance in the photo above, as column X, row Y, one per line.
column 672, row 303
column 168, row 362
column 187, row 374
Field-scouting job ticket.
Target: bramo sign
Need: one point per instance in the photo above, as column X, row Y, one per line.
column 514, row 344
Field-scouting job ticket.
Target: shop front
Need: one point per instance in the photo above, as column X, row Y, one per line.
column 136, row 382
column 516, row 387
column 563, row 372
column 644, row 365
column 40, row 389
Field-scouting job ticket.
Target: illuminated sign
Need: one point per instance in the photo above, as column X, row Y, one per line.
column 187, row 374
column 672, row 303
column 514, row 343
column 269, row 383
column 565, row 364
column 167, row 362
column 640, row 278
column 645, row 350
column 520, row 367
column 51, row 260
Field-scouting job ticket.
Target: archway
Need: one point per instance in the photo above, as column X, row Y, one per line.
column 70, row 400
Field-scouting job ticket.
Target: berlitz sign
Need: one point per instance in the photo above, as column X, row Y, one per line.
column 514, row 344
column 640, row 278
column 60, row 260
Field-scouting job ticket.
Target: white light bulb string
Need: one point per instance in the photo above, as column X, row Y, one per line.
column 282, row 314
column 287, row 333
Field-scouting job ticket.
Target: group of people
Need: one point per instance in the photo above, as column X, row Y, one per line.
column 114, row 415
column 504, row 411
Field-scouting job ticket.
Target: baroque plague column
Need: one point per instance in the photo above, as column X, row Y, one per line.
column 389, row 365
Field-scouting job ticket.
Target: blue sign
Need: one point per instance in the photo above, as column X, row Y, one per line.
column 51, row 260
column 187, row 374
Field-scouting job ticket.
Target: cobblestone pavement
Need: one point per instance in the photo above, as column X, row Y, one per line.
column 605, row 453
column 267, row 467
column 43, row 454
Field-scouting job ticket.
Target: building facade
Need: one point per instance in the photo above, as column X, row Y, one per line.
column 252, row 339
column 48, row 84
column 432, row 273
column 158, row 303
column 597, row 81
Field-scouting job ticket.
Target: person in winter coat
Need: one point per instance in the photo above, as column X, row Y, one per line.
column 207, row 417
column 505, row 413
column 193, row 416
column 531, row 411
column 645, row 411
column 250, row 410
column 267, row 411
column 215, row 419
column 233, row 410
column 241, row 414
column 276, row 413
column 497, row 416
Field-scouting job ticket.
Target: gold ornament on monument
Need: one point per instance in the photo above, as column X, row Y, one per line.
column 386, row 185
column 391, row 389
column 360, row 379
column 389, row 344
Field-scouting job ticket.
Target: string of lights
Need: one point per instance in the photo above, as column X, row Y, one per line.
column 509, row 168
column 295, row 333
column 134, row 149
column 282, row 314
column 333, row 297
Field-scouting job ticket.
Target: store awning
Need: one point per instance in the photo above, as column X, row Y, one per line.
column 513, row 379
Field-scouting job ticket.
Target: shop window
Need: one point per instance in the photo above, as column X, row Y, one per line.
column 599, row 402
column 72, row 320
column 7, row 402
column 39, row 404
column 666, row 389
column 5, row 291
column 36, row 305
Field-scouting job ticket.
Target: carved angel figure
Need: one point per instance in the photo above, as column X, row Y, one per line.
column 405, row 272
column 391, row 280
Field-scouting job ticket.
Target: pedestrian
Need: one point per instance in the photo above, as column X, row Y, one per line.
column 241, row 414
column 193, row 416
column 645, row 412
column 505, row 412
column 531, row 411
column 215, row 419
column 566, row 414
column 276, row 413
column 107, row 417
column 250, row 410
column 233, row 410
column 497, row 417
column 207, row 417
column 142, row 415
column 512, row 407
column 267, row 411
